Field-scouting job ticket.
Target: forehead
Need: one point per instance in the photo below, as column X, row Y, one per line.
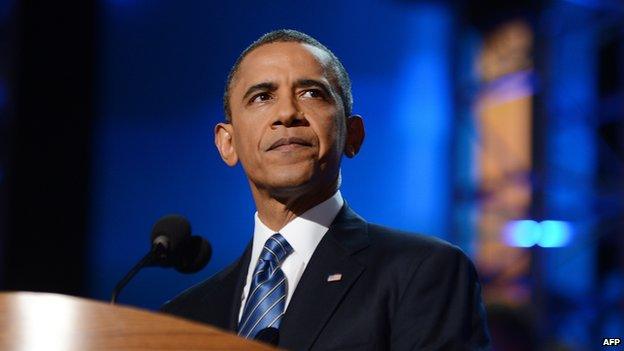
column 268, row 61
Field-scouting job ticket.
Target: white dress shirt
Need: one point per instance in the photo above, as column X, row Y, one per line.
column 303, row 234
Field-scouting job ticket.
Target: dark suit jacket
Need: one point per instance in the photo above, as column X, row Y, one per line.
column 398, row 291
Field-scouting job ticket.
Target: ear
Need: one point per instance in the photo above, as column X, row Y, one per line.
column 355, row 135
column 224, row 140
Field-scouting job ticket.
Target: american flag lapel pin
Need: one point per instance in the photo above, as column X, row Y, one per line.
column 334, row 277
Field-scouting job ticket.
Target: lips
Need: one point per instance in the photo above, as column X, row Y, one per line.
column 289, row 141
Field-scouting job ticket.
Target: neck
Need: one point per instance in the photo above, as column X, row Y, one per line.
column 276, row 209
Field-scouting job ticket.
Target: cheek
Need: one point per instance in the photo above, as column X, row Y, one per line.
column 329, row 131
column 246, row 143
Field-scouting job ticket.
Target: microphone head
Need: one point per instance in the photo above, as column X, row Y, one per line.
column 168, row 234
column 194, row 254
column 268, row 335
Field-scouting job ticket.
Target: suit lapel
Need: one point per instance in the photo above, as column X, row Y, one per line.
column 315, row 299
column 224, row 299
column 238, row 289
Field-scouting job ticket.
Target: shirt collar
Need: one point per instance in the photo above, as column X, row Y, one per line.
column 304, row 232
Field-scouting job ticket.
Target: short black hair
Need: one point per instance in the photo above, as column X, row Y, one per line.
column 289, row 35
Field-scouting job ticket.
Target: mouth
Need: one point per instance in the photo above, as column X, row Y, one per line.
column 288, row 144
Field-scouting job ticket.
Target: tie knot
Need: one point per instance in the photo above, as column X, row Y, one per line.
column 276, row 249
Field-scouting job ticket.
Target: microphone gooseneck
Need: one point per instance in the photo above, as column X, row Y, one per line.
column 172, row 246
column 144, row 262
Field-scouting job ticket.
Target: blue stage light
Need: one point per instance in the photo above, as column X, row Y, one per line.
column 523, row 233
column 555, row 234
column 528, row 233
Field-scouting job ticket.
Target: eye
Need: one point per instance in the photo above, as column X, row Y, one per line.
column 313, row 94
column 260, row 97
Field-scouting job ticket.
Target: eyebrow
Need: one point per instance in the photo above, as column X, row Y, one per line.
column 264, row 86
column 307, row 83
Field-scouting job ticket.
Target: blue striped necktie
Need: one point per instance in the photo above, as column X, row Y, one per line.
column 267, row 295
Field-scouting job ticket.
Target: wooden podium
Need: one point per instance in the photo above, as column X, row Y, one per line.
column 41, row 321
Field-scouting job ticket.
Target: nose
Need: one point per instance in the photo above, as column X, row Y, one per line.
column 289, row 113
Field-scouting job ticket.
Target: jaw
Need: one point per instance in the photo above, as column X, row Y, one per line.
column 288, row 178
column 297, row 187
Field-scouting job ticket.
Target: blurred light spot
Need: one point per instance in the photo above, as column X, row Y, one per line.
column 555, row 234
column 528, row 233
column 51, row 321
column 595, row 4
column 524, row 233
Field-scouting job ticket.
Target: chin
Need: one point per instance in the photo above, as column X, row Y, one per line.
column 290, row 179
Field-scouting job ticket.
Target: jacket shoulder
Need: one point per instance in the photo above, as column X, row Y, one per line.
column 196, row 293
column 398, row 243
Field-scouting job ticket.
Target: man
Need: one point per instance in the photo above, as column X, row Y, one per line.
column 315, row 272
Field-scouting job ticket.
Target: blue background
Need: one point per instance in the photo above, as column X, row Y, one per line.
column 162, row 71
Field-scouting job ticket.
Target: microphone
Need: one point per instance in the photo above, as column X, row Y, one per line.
column 168, row 235
column 195, row 253
column 268, row 335
column 172, row 246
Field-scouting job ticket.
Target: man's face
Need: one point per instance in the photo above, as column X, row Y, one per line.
column 288, row 125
